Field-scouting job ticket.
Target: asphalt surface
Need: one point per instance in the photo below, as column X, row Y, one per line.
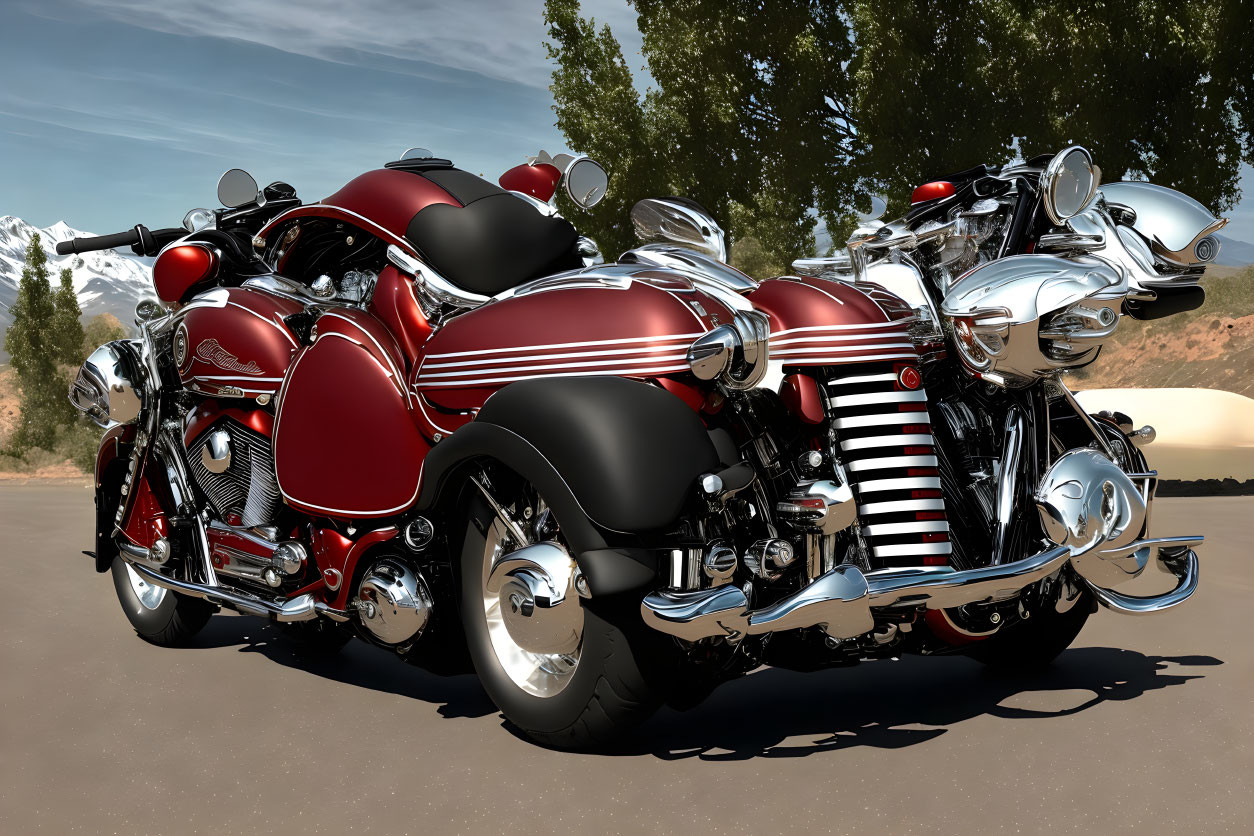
column 1144, row 726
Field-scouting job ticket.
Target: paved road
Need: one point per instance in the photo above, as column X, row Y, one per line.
column 1144, row 727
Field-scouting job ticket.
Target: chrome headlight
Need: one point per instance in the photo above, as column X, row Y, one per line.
column 734, row 354
column 107, row 387
column 1069, row 183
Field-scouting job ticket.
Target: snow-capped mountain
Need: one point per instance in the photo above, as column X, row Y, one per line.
column 109, row 281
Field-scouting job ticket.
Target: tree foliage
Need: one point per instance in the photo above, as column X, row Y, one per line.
column 764, row 111
column 41, row 342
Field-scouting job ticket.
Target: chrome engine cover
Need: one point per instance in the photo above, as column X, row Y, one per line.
column 1024, row 317
column 394, row 602
column 234, row 466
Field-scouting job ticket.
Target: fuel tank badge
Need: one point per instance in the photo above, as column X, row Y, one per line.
column 213, row 353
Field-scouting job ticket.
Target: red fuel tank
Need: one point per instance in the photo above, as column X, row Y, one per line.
column 818, row 322
column 233, row 342
column 621, row 320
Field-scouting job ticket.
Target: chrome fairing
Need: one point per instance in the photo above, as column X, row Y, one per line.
column 1174, row 225
column 1021, row 318
column 680, row 222
column 109, row 387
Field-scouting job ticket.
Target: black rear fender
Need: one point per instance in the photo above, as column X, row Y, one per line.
column 610, row 456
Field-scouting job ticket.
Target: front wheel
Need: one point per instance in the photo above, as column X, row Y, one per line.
column 567, row 676
column 1039, row 640
column 158, row 615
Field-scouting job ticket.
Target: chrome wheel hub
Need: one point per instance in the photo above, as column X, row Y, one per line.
column 534, row 617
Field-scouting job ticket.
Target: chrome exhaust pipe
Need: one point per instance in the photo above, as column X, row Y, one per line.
column 300, row 608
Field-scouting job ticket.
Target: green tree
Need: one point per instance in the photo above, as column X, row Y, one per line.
column 66, row 330
column 33, row 355
column 763, row 112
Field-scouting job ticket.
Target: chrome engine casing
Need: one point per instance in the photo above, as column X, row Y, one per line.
column 394, row 602
column 234, row 466
column 109, row 385
column 1021, row 318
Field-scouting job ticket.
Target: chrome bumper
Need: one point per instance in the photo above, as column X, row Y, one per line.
column 842, row 602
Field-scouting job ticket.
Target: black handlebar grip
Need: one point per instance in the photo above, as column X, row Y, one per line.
column 100, row 242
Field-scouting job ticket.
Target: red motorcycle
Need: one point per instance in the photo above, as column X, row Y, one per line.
column 420, row 413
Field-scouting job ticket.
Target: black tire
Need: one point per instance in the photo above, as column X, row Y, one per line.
column 1035, row 643
column 609, row 692
column 171, row 622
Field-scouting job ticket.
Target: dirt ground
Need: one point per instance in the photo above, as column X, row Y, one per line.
column 1144, row 727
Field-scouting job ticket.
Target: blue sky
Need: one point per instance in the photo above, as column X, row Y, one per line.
column 124, row 112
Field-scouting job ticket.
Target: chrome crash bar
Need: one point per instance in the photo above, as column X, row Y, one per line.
column 843, row 600
column 300, row 608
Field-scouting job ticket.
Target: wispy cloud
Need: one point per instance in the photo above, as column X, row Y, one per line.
column 497, row 39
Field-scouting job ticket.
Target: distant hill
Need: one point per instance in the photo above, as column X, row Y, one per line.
column 1234, row 253
column 1212, row 347
column 108, row 281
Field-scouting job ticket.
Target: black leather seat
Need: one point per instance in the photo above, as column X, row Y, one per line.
column 494, row 241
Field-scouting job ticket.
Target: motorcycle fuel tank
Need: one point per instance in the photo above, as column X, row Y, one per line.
column 234, row 343
column 623, row 320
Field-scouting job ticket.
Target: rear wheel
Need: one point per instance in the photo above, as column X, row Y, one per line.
column 158, row 615
column 568, row 675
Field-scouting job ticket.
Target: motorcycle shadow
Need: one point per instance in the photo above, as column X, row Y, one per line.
column 359, row 664
column 891, row 705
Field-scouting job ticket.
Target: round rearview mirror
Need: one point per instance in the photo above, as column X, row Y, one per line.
column 1069, row 183
column 876, row 205
column 586, row 182
column 236, row 188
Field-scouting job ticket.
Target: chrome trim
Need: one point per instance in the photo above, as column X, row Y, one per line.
column 871, row 398
column 912, row 549
column 685, row 224
column 877, row 529
column 842, row 600
column 913, row 482
column 300, row 608
column 898, row 506
column 1008, row 481
column 850, row 422
column 430, row 283
column 892, row 461
column 1170, row 221
column 696, row 265
column 887, row 441
column 1183, row 567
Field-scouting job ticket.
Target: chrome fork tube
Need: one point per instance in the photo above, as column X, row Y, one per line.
column 1008, row 482
column 1084, row 416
